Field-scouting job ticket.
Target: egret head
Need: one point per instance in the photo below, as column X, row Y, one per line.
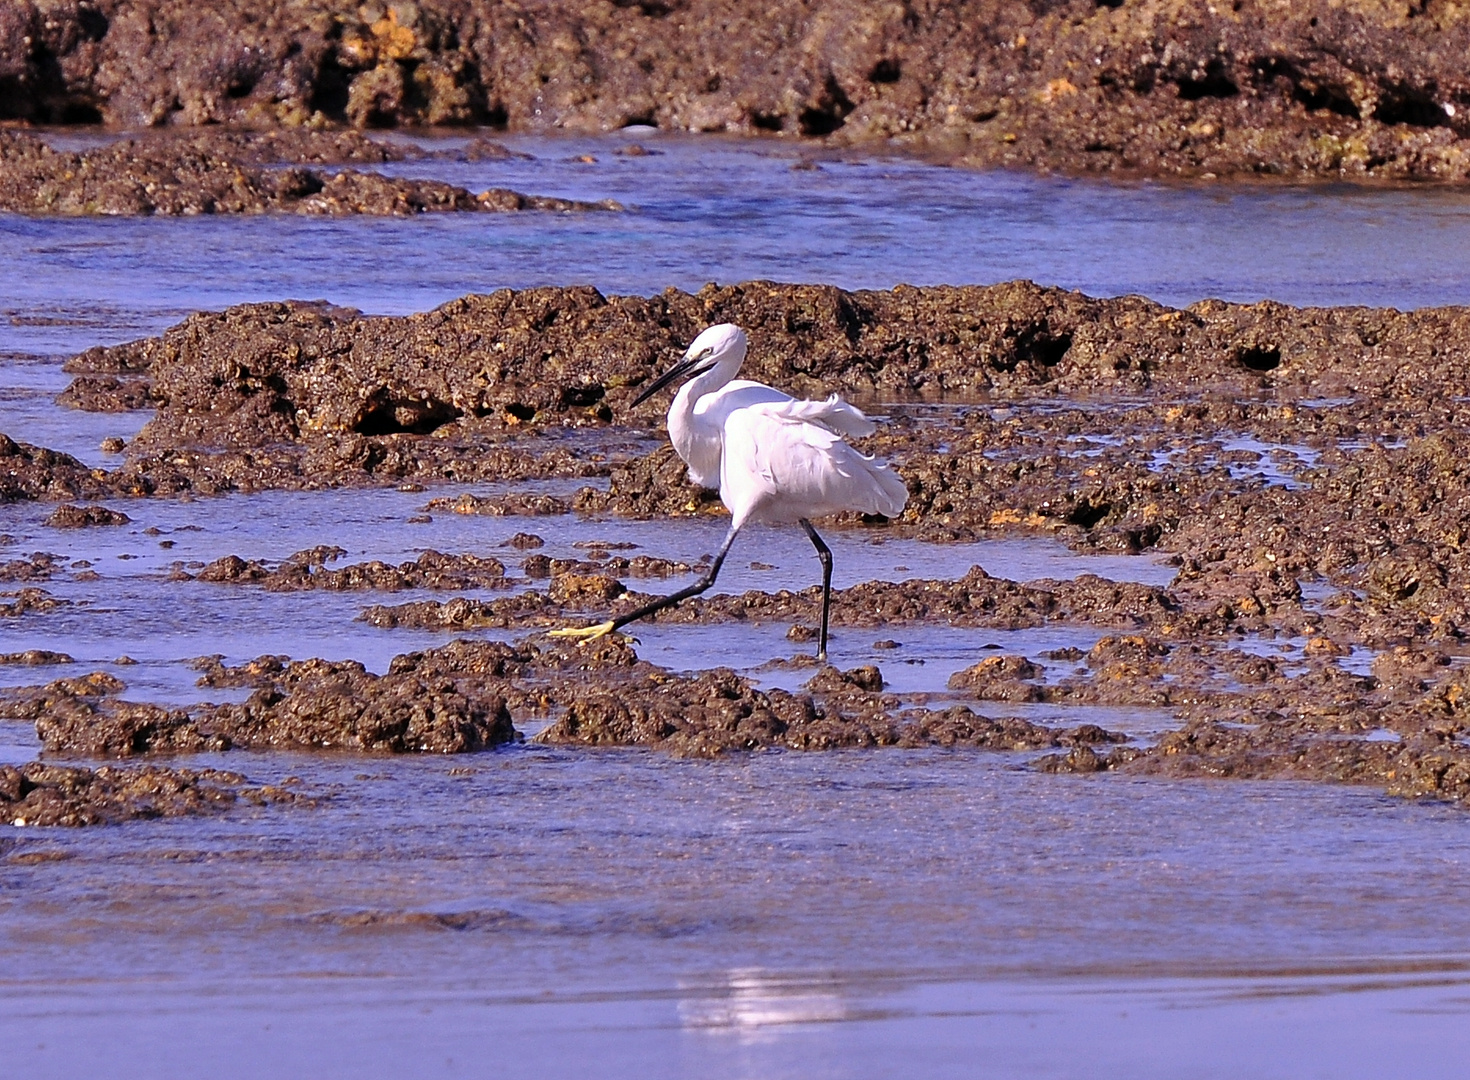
column 718, row 346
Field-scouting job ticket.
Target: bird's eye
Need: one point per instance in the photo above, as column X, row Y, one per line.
column 703, row 353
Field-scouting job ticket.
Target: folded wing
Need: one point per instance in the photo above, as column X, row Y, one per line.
column 782, row 461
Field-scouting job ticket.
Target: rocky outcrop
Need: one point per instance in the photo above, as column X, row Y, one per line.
column 1160, row 86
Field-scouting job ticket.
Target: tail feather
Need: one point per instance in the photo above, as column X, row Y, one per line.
column 893, row 494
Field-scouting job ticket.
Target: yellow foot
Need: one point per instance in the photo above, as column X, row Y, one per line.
column 583, row 634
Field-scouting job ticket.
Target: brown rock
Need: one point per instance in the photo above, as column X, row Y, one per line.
column 39, row 794
column 70, row 516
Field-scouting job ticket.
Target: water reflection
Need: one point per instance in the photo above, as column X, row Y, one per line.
column 751, row 1000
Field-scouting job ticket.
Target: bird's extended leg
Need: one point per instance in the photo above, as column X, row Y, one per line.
column 591, row 633
column 825, row 554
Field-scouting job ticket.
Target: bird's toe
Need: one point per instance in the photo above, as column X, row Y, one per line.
column 582, row 634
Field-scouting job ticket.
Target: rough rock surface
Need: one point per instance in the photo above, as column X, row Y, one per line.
column 314, row 704
column 1402, row 728
column 601, row 694
column 1323, row 87
column 1302, row 471
column 71, row 516
column 43, row 794
column 140, row 177
column 308, row 570
column 1243, row 716
column 496, row 387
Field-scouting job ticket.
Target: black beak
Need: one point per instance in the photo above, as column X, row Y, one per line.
column 687, row 366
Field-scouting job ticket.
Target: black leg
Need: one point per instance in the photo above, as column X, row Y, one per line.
column 661, row 603
column 825, row 554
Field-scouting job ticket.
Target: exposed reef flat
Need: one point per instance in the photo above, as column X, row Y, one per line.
column 1298, row 468
column 145, row 176
column 1262, row 444
column 39, row 793
column 1155, row 87
column 1244, row 716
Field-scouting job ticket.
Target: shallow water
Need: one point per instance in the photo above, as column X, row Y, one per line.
column 844, row 914
column 530, row 910
column 711, row 210
column 134, row 608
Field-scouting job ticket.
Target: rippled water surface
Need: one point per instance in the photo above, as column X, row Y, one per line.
column 844, row 914
column 538, row 912
column 707, row 210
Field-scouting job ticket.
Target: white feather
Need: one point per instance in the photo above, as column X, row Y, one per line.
column 774, row 458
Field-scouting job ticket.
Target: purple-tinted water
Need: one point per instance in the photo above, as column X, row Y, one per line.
column 534, row 912
column 712, row 210
column 845, row 914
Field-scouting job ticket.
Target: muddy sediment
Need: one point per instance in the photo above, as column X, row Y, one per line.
column 141, row 177
column 1182, row 87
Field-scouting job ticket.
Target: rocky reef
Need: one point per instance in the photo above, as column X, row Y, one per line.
column 1161, row 87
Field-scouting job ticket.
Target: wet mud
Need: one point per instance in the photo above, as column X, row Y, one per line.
column 45, row 794
column 1183, row 87
column 142, row 176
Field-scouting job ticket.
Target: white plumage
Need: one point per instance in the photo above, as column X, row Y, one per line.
column 773, row 458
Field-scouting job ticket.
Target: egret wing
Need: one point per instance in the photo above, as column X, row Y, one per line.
column 776, row 465
column 834, row 414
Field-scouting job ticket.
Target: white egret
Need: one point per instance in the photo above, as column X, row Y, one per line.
column 774, row 459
